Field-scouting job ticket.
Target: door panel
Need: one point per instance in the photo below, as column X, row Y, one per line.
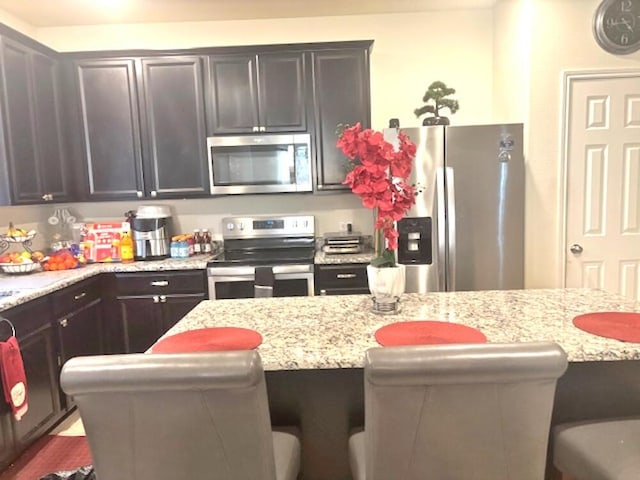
column 175, row 126
column 488, row 214
column 176, row 307
column 19, row 124
column 142, row 322
column 53, row 170
column 603, row 183
column 234, row 93
column 282, row 92
column 110, row 128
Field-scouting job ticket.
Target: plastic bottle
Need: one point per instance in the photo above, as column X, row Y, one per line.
column 206, row 241
column 126, row 248
column 197, row 239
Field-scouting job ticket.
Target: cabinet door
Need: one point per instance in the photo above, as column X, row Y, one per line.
column 7, row 451
column 81, row 332
column 175, row 132
column 53, row 170
column 32, row 322
column 142, row 322
column 41, row 369
column 341, row 96
column 110, row 128
column 282, row 93
column 234, row 94
column 177, row 306
column 19, row 125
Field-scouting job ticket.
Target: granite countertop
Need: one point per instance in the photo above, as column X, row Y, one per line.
column 34, row 285
column 322, row 258
column 334, row 331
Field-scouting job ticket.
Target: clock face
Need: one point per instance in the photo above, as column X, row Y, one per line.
column 616, row 26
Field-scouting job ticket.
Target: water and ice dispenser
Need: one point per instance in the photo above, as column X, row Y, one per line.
column 415, row 242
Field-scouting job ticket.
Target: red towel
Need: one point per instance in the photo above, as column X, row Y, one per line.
column 14, row 380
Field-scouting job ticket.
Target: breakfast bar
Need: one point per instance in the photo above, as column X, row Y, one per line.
column 312, row 350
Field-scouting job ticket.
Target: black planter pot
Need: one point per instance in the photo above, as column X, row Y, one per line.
column 435, row 121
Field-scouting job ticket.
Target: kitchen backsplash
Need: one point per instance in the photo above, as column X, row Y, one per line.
column 330, row 211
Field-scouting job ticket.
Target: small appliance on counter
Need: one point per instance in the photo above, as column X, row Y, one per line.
column 151, row 229
column 342, row 243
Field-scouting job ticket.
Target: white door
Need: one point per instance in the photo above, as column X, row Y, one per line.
column 602, row 159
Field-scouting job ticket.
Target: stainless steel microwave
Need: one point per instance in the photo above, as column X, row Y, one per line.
column 259, row 164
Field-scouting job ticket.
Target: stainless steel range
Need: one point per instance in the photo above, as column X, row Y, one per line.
column 264, row 257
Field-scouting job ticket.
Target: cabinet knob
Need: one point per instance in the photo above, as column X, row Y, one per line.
column 139, row 194
column 154, row 193
column 163, row 299
column 159, row 283
column 156, row 299
column 256, row 129
column 323, row 292
column 47, row 197
column 64, row 322
column 263, row 129
column 80, row 296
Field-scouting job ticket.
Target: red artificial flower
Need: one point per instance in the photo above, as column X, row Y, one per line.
column 380, row 178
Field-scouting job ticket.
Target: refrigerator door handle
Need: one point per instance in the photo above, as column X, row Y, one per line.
column 440, row 230
column 451, row 228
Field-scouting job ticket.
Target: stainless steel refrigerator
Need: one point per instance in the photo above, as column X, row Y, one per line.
column 466, row 230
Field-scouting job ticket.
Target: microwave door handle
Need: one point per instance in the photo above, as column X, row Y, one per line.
column 292, row 164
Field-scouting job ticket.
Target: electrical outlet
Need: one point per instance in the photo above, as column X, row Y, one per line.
column 343, row 226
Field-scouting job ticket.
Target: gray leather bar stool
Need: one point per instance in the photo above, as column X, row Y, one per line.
column 598, row 450
column 178, row 416
column 457, row 412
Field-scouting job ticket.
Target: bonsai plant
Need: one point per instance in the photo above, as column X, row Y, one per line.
column 437, row 92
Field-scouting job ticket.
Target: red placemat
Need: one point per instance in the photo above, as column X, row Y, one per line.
column 623, row 326
column 209, row 339
column 423, row 332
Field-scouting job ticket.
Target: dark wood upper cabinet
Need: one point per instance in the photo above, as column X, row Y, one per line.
column 341, row 96
column 110, row 128
column 262, row 92
column 174, row 129
column 282, row 92
column 143, row 127
column 33, row 130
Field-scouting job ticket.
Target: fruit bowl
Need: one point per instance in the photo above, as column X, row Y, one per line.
column 18, row 268
column 18, row 238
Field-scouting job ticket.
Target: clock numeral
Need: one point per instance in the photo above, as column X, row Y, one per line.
column 610, row 22
column 626, row 5
column 624, row 39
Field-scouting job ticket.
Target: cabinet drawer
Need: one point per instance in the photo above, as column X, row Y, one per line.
column 341, row 276
column 158, row 283
column 75, row 297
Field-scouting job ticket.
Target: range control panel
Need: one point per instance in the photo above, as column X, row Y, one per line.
column 253, row 227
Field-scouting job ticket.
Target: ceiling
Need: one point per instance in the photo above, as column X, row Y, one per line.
column 52, row 13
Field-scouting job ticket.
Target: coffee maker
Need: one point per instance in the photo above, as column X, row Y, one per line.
column 151, row 230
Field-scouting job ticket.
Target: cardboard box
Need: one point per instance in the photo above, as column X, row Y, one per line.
column 101, row 241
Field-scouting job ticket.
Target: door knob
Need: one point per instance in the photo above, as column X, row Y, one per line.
column 575, row 248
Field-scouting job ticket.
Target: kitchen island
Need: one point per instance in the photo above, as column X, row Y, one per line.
column 334, row 331
column 313, row 350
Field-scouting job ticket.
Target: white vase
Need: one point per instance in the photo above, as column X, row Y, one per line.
column 386, row 286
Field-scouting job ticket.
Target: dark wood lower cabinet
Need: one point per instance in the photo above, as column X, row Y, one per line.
column 38, row 345
column 74, row 322
column 146, row 318
column 341, row 279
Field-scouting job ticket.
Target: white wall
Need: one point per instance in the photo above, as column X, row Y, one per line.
column 561, row 41
column 17, row 24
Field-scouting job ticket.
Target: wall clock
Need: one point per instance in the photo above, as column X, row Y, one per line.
column 616, row 26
